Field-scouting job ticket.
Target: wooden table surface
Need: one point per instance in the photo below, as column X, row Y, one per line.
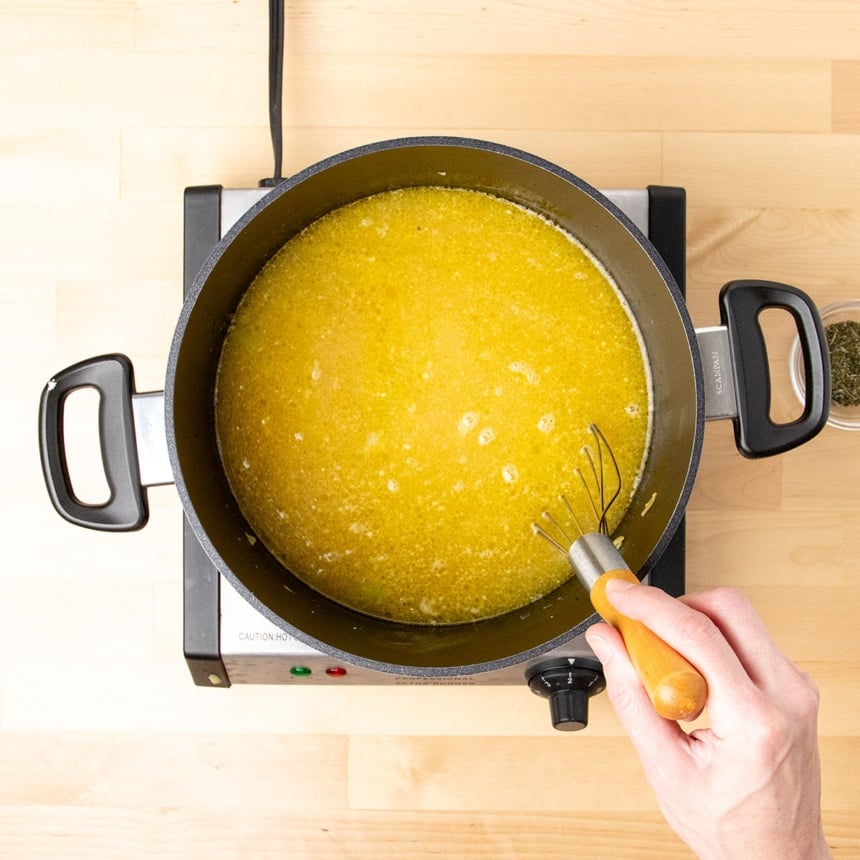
column 110, row 109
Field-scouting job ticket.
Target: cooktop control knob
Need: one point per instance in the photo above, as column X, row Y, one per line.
column 568, row 683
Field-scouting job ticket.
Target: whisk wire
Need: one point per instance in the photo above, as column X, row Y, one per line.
column 572, row 513
column 555, row 544
column 551, row 519
column 601, row 497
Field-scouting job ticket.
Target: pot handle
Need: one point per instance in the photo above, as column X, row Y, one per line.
column 741, row 302
column 113, row 377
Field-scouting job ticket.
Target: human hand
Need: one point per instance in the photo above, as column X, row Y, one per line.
column 749, row 785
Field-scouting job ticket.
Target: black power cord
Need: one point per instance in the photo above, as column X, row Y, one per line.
column 276, row 81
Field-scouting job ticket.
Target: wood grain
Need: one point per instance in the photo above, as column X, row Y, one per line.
column 110, row 109
column 846, row 96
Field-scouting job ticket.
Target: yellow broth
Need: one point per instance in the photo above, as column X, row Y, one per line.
column 408, row 383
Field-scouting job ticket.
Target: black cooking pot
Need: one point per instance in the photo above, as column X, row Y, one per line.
column 679, row 397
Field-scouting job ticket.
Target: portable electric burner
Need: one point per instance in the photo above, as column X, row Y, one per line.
column 228, row 641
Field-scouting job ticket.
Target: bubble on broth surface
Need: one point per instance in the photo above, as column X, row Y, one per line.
column 510, row 473
column 486, row 436
column 546, row 423
column 526, row 371
column 468, row 421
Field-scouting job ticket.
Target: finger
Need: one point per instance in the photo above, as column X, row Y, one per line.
column 650, row 733
column 742, row 627
column 697, row 638
column 688, row 630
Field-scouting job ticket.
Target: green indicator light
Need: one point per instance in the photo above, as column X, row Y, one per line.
column 300, row 671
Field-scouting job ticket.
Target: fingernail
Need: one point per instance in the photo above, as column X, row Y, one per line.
column 616, row 586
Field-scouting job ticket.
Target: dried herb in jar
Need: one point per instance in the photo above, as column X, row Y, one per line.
column 843, row 343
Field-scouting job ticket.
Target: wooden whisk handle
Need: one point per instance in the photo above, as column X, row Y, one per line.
column 677, row 690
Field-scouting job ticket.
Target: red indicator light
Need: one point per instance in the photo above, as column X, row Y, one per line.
column 335, row 671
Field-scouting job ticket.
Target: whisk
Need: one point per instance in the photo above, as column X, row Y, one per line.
column 676, row 689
